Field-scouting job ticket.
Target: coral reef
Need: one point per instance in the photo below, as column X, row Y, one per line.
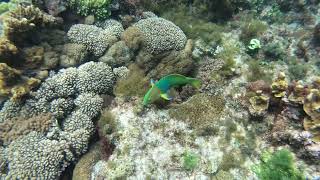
column 154, row 146
column 98, row 8
column 17, row 127
column 73, row 55
column 21, row 24
column 13, row 84
column 279, row 86
column 117, row 55
column 94, row 38
column 72, row 98
column 200, row 112
column 160, row 35
column 259, row 104
column 278, row 165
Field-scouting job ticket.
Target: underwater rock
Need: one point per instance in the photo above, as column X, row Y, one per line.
column 73, row 55
column 153, row 145
column 176, row 62
column 316, row 33
column 83, row 168
column 96, row 39
column 259, row 104
column 117, row 55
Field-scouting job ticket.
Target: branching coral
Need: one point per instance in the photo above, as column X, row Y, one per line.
column 159, row 35
column 94, row 38
column 72, row 98
column 98, row 8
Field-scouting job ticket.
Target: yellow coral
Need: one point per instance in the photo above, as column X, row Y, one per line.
column 279, row 86
column 258, row 104
column 312, row 107
column 13, row 84
column 297, row 96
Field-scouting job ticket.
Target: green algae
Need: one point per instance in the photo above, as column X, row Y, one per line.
column 201, row 112
column 278, row 166
column 107, row 123
column 190, row 161
column 136, row 84
column 252, row 29
column 231, row 160
column 257, row 71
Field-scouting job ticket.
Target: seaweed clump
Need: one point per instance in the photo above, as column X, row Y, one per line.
column 277, row 166
column 135, row 84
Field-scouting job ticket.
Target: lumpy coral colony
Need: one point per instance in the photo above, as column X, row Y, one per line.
column 73, row 74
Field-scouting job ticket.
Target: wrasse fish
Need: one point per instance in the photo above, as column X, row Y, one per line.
column 160, row 88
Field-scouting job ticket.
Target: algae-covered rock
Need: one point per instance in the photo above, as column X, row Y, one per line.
column 177, row 62
column 135, row 84
column 83, row 168
column 200, row 112
column 117, row 55
column 73, row 55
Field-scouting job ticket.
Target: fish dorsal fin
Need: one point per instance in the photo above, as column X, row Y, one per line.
column 165, row 96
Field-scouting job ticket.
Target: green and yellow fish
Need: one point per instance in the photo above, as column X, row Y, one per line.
column 161, row 87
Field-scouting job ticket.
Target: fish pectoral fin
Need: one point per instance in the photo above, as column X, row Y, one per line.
column 165, row 96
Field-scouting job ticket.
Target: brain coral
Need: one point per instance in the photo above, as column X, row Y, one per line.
column 96, row 39
column 161, row 35
column 72, row 97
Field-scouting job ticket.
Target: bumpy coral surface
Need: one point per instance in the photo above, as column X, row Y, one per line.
column 43, row 149
column 160, row 35
column 94, row 38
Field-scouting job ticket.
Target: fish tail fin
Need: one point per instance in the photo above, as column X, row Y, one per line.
column 196, row 83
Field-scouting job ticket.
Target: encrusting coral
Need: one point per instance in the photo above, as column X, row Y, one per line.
column 20, row 23
column 17, row 127
column 13, row 84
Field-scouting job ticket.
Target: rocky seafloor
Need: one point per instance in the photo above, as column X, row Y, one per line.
column 73, row 75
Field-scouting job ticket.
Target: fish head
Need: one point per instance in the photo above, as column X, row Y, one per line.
column 152, row 95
